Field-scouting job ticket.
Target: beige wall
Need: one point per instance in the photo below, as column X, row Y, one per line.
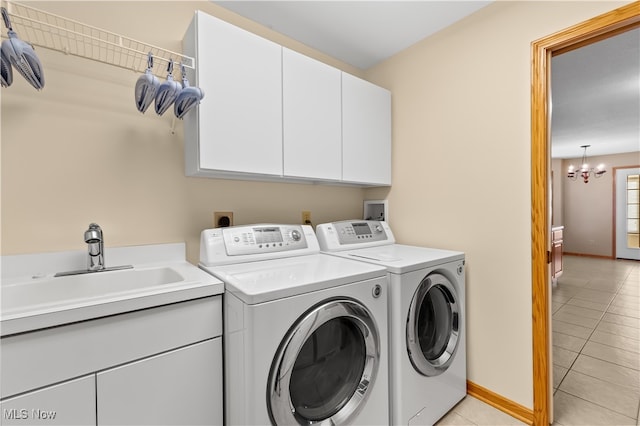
column 79, row 151
column 557, row 217
column 588, row 207
column 461, row 169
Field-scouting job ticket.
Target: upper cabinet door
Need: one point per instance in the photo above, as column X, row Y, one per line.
column 366, row 132
column 312, row 118
column 238, row 125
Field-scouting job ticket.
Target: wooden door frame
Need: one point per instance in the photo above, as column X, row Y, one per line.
column 600, row 27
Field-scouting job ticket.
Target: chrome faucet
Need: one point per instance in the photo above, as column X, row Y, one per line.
column 95, row 243
column 95, row 261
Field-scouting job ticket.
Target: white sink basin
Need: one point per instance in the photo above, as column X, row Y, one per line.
column 55, row 291
column 32, row 298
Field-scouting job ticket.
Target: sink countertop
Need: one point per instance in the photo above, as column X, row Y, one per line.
column 38, row 270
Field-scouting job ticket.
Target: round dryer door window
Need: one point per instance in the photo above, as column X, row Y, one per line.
column 325, row 366
column 433, row 325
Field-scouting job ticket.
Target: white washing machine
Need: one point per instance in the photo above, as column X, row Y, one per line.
column 305, row 333
column 427, row 350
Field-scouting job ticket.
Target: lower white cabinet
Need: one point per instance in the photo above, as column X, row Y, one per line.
column 181, row 387
column 68, row 403
column 556, row 252
column 157, row 366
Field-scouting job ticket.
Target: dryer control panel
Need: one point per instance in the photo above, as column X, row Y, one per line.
column 248, row 243
column 352, row 234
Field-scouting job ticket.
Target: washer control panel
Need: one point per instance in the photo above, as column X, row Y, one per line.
column 261, row 239
column 352, row 234
column 249, row 243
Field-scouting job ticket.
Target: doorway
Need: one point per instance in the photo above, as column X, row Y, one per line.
column 603, row 26
column 626, row 183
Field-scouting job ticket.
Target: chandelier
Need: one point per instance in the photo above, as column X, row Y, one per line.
column 585, row 171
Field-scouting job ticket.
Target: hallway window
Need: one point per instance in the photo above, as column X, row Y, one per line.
column 633, row 211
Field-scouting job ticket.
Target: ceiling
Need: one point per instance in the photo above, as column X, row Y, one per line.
column 595, row 89
column 595, row 95
column 360, row 33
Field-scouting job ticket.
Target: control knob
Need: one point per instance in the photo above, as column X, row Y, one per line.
column 295, row 235
column 378, row 228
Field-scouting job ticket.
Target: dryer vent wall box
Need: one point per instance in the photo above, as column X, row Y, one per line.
column 376, row 210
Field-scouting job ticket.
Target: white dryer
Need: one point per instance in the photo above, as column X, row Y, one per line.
column 427, row 350
column 305, row 333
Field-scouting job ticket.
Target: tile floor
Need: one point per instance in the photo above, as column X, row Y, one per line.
column 473, row 412
column 596, row 342
column 596, row 349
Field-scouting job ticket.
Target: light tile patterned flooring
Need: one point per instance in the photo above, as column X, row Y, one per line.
column 596, row 342
column 596, row 349
column 471, row 412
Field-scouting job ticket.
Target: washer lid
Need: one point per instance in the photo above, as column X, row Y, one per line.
column 263, row 281
column 400, row 259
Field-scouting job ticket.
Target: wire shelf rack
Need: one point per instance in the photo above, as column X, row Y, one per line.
column 71, row 37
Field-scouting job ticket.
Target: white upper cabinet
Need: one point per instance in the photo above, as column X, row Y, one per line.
column 366, row 132
column 273, row 114
column 312, row 117
column 238, row 125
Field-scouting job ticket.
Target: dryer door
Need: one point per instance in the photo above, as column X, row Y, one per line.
column 433, row 325
column 326, row 365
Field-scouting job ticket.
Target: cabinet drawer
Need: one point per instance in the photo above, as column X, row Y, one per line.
column 44, row 357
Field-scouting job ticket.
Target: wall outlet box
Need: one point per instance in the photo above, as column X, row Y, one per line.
column 306, row 217
column 222, row 219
